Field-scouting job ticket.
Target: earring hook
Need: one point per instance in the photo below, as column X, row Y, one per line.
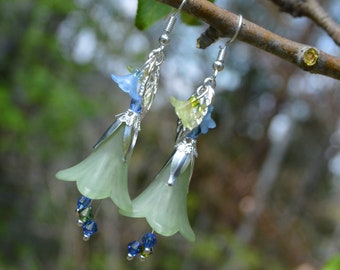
column 178, row 10
column 172, row 19
column 219, row 62
column 181, row 5
column 238, row 29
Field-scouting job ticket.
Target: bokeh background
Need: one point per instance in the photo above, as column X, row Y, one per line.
column 265, row 191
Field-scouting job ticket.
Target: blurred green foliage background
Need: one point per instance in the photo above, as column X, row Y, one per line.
column 265, row 190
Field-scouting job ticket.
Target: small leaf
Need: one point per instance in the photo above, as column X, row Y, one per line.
column 190, row 20
column 148, row 12
column 333, row 263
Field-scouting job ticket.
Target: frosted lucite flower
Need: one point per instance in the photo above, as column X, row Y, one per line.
column 128, row 83
column 165, row 206
column 164, row 202
column 191, row 112
column 103, row 173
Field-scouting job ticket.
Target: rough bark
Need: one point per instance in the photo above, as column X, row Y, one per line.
column 225, row 24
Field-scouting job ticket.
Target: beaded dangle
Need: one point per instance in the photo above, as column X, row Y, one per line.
column 103, row 174
column 143, row 248
column 85, row 217
column 163, row 203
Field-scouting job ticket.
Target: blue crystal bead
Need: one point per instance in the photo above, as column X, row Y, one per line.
column 89, row 228
column 136, row 105
column 134, row 248
column 194, row 133
column 82, row 203
column 149, row 240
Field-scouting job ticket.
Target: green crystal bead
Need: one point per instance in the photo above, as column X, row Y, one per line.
column 195, row 102
column 145, row 252
column 85, row 215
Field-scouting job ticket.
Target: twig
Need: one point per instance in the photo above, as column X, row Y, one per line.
column 304, row 56
column 208, row 37
column 313, row 10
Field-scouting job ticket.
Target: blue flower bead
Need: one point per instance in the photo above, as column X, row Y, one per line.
column 128, row 83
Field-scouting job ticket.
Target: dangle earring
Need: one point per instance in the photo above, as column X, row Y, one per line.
column 164, row 202
column 104, row 172
column 85, row 217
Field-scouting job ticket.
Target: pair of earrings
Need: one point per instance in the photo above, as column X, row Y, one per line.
column 104, row 173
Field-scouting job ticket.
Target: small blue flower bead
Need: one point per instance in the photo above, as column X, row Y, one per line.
column 134, row 248
column 89, row 228
column 128, row 83
column 206, row 124
column 82, row 203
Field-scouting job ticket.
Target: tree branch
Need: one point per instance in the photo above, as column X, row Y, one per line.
column 313, row 10
column 304, row 56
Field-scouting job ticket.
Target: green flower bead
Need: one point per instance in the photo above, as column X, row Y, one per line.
column 191, row 112
column 103, row 173
column 164, row 206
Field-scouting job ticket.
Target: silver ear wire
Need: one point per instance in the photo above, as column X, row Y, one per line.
column 238, row 29
column 181, row 6
column 164, row 39
column 178, row 10
column 218, row 65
